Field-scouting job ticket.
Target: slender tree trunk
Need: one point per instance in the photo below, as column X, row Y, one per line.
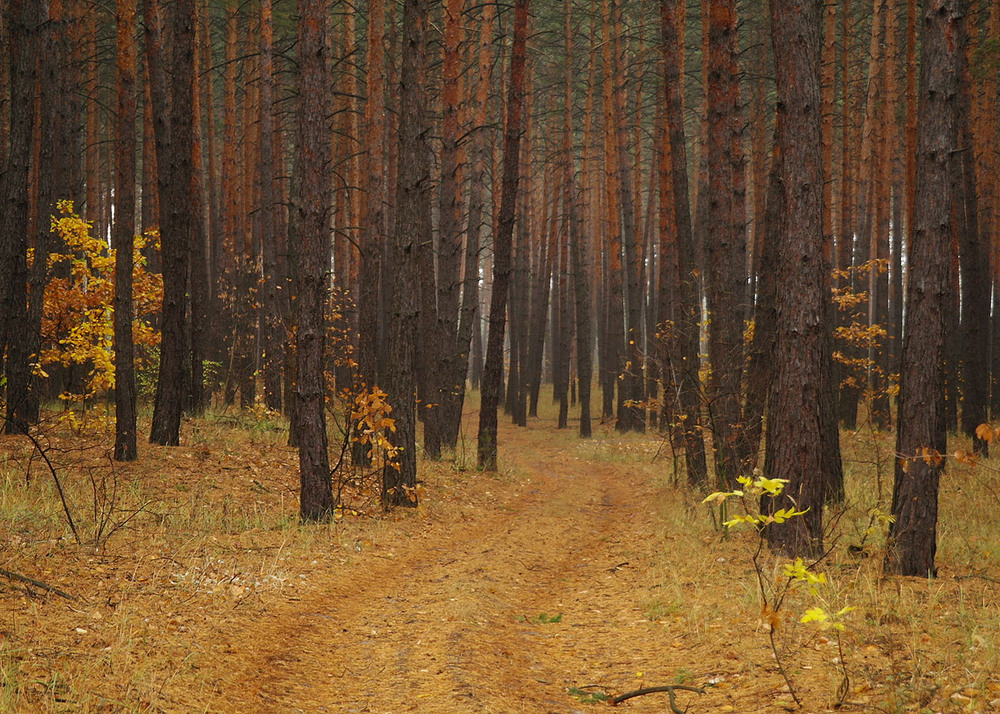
column 316, row 500
column 200, row 295
column 686, row 367
column 449, row 286
column 975, row 256
column 727, row 247
column 412, row 228
column 48, row 165
column 761, row 362
column 270, row 314
column 174, row 138
column 373, row 209
column 468, row 328
column 150, row 196
column 25, row 19
column 630, row 417
column 579, row 264
column 124, row 230
column 493, row 368
column 230, row 192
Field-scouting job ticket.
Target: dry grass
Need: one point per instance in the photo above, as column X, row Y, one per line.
column 213, row 545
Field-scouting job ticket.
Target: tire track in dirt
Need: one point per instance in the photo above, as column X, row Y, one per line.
column 450, row 622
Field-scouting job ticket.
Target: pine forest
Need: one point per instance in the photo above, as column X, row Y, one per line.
column 551, row 353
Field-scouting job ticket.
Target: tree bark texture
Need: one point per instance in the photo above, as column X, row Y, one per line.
column 412, row 228
column 174, row 138
column 685, row 366
column 316, row 491
column 25, row 19
column 795, row 409
column 921, row 437
column 123, row 232
column 727, row 243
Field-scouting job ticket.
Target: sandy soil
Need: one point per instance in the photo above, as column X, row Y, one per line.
column 458, row 618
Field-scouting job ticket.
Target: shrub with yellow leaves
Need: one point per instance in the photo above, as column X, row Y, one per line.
column 774, row 591
column 78, row 314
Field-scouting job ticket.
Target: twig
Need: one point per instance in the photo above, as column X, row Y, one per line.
column 37, row 583
column 781, row 668
column 59, row 488
column 669, row 689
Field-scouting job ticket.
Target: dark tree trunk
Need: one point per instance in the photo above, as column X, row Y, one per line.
column 921, row 438
column 25, row 19
column 562, row 337
column 316, row 491
column 201, row 313
column 727, row 243
column 373, row 228
column 229, row 243
column 493, row 368
column 50, row 165
column 630, row 417
column 975, row 261
column 685, row 368
column 271, row 329
column 412, row 228
column 795, row 413
column 174, row 138
column 579, row 264
column 539, row 303
column 123, row 233
column 760, row 363
column 584, row 309
column 450, row 355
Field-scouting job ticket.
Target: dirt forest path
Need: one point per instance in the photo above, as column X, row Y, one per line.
column 456, row 617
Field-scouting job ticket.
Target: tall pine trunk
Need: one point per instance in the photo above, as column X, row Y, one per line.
column 493, row 367
column 316, row 500
column 921, row 437
column 174, row 138
column 412, row 228
column 124, row 231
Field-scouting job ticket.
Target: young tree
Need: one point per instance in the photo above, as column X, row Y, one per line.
column 316, row 490
column 921, row 437
column 493, row 367
column 123, row 232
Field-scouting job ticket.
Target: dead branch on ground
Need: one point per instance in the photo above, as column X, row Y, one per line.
column 669, row 689
column 36, row 583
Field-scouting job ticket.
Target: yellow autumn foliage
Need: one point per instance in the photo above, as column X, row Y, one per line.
column 78, row 313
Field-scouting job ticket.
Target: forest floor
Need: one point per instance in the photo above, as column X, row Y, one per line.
column 579, row 571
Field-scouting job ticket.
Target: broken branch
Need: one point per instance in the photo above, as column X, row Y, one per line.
column 37, row 583
column 669, row 689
